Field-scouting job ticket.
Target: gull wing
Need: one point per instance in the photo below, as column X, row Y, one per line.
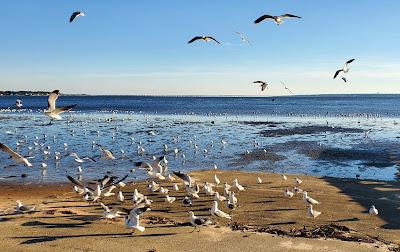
column 63, row 109
column 214, row 39
column 74, row 181
column 262, row 18
column 73, row 16
column 182, row 176
column 194, row 39
column 289, row 16
column 51, row 101
column 337, row 73
column 12, row 153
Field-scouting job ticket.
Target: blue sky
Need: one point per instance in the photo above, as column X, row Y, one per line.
column 140, row 47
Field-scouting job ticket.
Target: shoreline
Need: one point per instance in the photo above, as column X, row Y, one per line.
column 264, row 215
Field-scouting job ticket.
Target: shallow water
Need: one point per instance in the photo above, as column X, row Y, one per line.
column 335, row 142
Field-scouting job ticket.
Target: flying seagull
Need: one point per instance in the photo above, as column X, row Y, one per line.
column 243, row 38
column 205, row 38
column 344, row 70
column 285, row 87
column 76, row 14
column 277, row 19
column 17, row 157
column 52, row 111
column 263, row 85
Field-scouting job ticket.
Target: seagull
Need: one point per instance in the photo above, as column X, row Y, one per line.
column 309, row 200
column 344, row 70
column 132, row 220
column 298, row 181
column 190, row 191
column 120, row 197
column 373, row 210
column 186, row 201
column 169, row 199
column 17, row 157
column 284, row 177
column 52, row 111
column 263, row 85
column 288, row 194
column 215, row 211
column 237, row 185
column 216, row 179
column 259, row 181
column 113, row 213
column 137, row 197
column 312, row 213
column 197, row 221
column 205, row 38
column 76, row 14
column 218, row 197
column 18, row 103
column 80, row 160
column 109, row 193
column 24, row 208
column 277, row 19
column 186, row 178
column 106, row 154
column 285, row 87
column 176, row 188
column 243, row 38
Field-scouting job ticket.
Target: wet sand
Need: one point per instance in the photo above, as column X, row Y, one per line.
column 264, row 221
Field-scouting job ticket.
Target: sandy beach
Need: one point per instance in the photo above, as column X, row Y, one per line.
column 264, row 221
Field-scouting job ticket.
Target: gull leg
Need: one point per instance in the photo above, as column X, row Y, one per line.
column 193, row 229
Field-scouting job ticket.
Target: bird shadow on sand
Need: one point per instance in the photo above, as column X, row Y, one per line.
column 54, row 225
column 42, row 239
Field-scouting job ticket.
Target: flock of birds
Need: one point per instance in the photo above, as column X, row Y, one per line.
column 157, row 171
column 278, row 20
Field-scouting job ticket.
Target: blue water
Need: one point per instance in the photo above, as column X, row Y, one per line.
column 181, row 122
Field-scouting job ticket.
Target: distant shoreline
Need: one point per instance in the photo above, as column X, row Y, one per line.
column 32, row 93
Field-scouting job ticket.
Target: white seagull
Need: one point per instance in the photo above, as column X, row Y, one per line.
column 277, row 19
column 373, row 210
column 237, row 185
column 309, row 200
column 312, row 213
column 243, row 38
column 18, row 103
column 197, row 221
column 17, row 157
column 52, row 111
column 215, row 211
column 132, row 220
column 24, row 208
column 285, row 87
column 344, row 70
column 76, row 14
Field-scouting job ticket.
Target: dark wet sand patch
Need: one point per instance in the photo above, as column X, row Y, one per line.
column 307, row 130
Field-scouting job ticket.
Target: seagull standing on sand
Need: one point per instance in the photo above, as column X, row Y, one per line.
column 216, row 179
column 120, row 197
column 76, row 14
column 309, row 200
column 24, row 208
column 237, row 185
column 277, row 19
column 17, row 157
column 344, row 70
column 373, row 210
column 205, row 38
column 52, row 111
column 288, row 194
column 259, row 181
column 312, row 213
column 215, row 211
column 197, row 221
column 263, row 84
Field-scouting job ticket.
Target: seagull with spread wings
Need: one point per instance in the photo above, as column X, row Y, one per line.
column 277, row 19
column 205, row 38
column 76, row 14
column 343, row 71
column 17, row 157
column 263, row 84
column 243, row 38
column 285, row 87
column 52, row 111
